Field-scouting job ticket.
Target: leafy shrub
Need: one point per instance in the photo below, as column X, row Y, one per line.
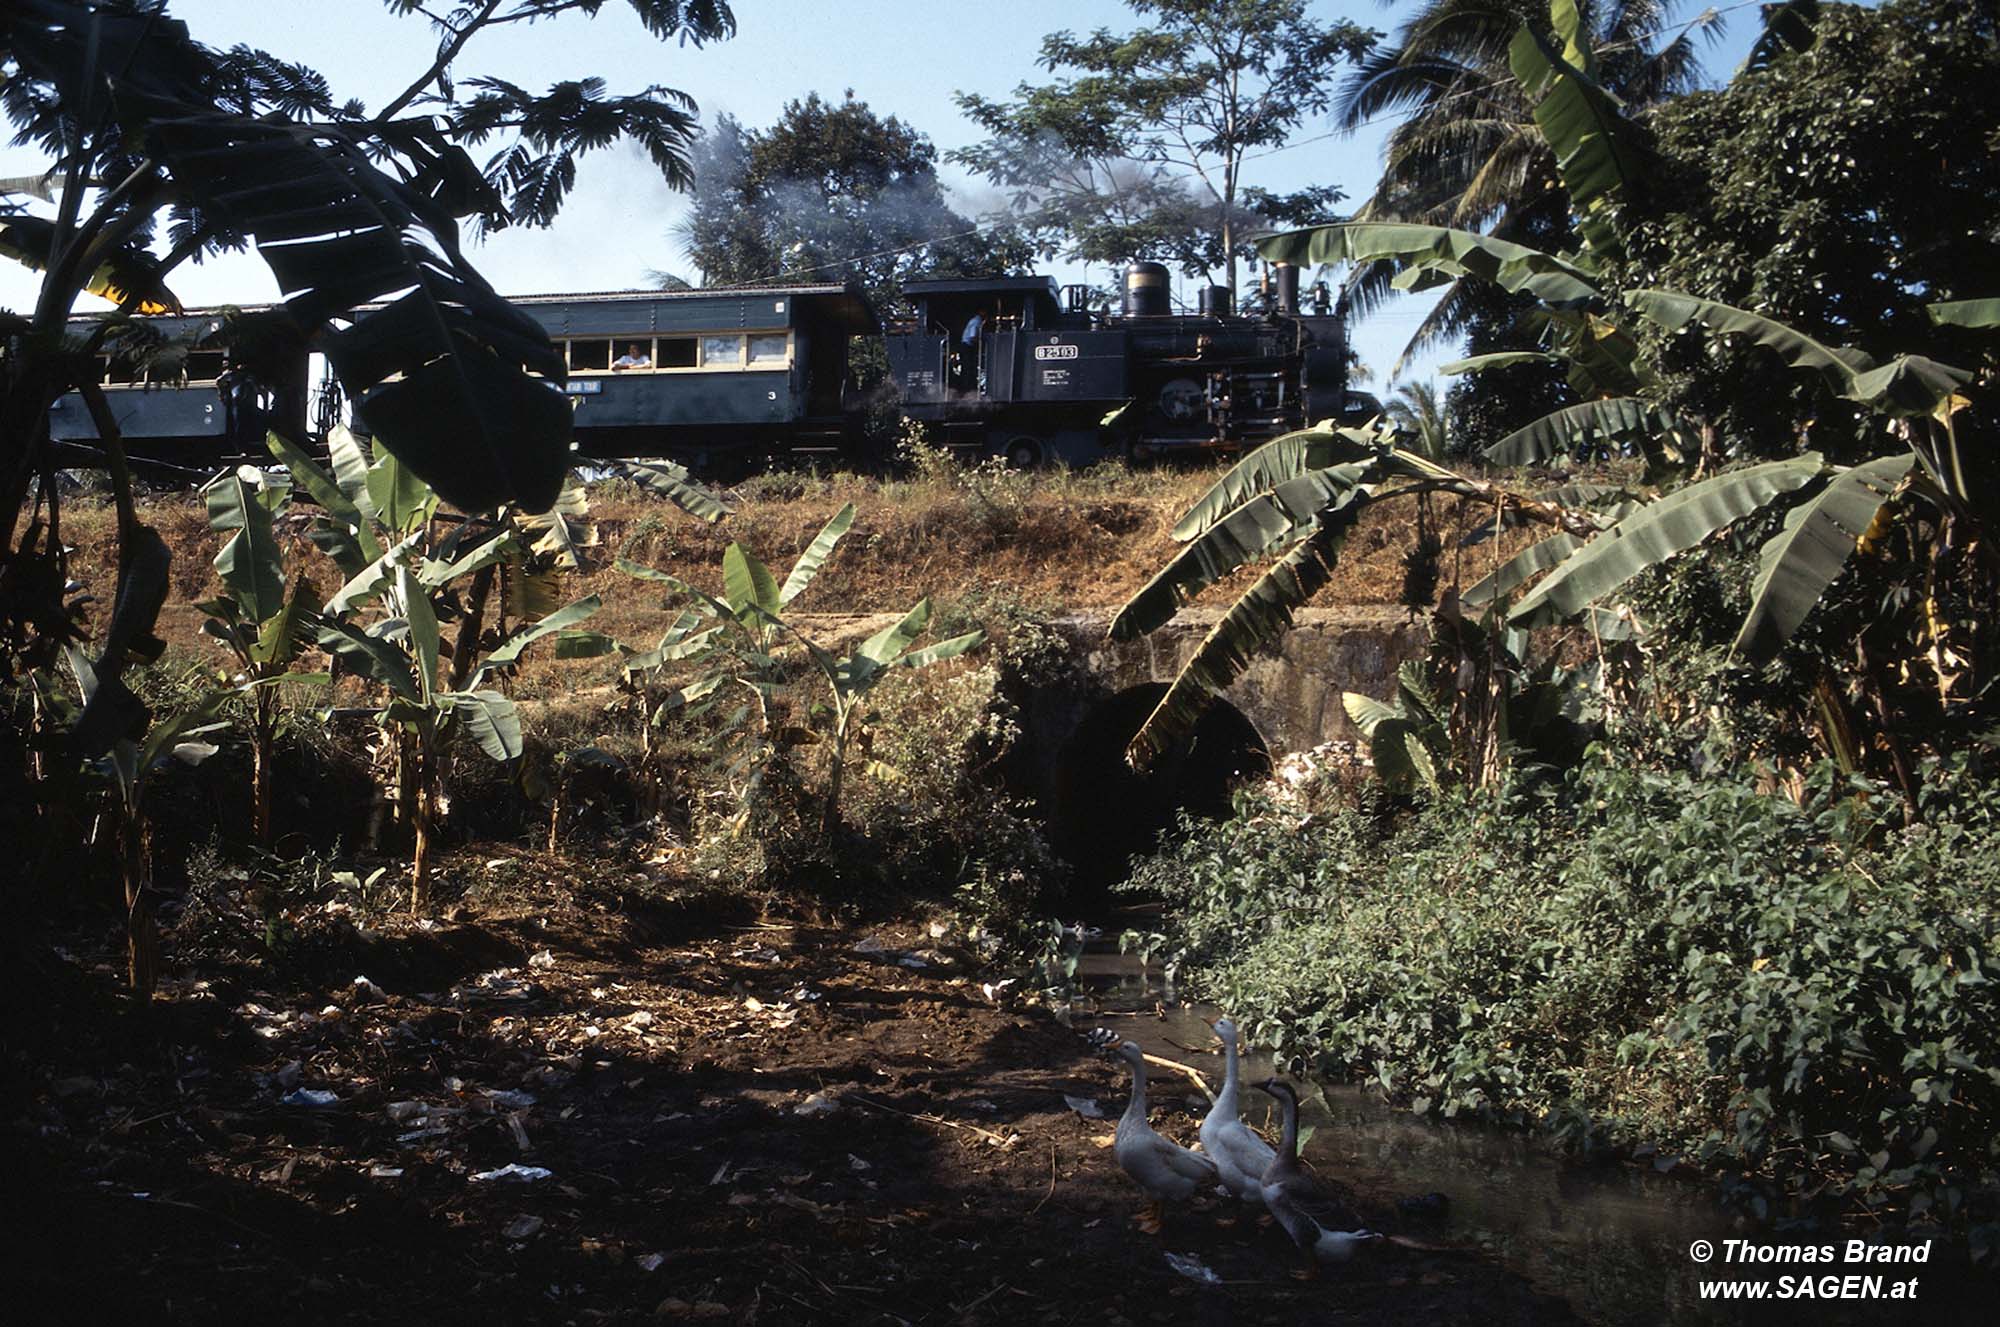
column 1801, row 990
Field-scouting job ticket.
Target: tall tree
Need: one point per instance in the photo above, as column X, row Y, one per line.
column 1468, row 154
column 1137, row 150
column 147, row 129
column 832, row 190
column 1841, row 185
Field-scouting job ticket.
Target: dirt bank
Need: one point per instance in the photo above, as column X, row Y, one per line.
column 742, row 1120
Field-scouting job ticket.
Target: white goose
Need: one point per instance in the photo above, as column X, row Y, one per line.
column 1240, row 1156
column 1309, row 1214
column 1163, row 1168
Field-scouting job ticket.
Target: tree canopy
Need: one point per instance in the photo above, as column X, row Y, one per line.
column 832, row 190
column 1137, row 150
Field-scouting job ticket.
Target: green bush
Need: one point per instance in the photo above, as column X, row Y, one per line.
column 1802, row 991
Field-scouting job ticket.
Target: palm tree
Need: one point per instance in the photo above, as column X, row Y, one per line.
column 1469, row 155
column 1419, row 417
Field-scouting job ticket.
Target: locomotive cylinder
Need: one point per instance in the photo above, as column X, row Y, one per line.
column 1215, row 301
column 1146, row 291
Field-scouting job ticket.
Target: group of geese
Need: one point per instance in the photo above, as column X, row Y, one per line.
column 1232, row 1154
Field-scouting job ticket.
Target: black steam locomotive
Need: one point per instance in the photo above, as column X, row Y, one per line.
column 1013, row 367
column 1008, row 366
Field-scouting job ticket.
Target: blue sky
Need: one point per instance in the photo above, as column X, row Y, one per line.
column 902, row 58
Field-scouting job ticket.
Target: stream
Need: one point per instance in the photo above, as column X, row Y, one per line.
column 1610, row 1237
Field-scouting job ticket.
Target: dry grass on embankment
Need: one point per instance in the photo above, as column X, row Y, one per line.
column 1054, row 540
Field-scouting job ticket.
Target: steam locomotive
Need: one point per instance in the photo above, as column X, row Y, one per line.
column 1008, row 366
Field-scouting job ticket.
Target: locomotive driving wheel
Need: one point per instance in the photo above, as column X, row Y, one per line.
column 1024, row 452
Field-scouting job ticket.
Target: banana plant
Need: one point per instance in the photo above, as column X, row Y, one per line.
column 751, row 609
column 404, row 564
column 129, row 767
column 1294, row 500
column 265, row 624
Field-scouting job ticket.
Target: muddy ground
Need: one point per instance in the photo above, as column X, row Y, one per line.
column 741, row 1119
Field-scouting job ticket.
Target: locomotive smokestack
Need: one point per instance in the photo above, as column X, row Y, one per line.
column 1288, row 288
column 1146, row 293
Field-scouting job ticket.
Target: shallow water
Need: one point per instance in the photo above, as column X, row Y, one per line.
column 1610, row 1237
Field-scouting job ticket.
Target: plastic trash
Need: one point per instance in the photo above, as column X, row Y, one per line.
column 316, row 1098
column 514, row 1172
column 819, row 1103
column 1193, row 1269
column 522, row 1227
column 511, row 1098
column 543, row 960
column 649, row 1262
column 1084, row 1106
column 402, row 1112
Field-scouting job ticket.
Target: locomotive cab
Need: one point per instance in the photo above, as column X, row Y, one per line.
column 1001, row 367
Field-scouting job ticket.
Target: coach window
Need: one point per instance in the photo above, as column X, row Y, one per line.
column 722, row 352
column 204, row 365
column 593, row 356
column 124, row 373
column 677, row 352
column 770, row 351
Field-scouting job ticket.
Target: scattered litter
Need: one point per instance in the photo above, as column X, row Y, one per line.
column 287, row 1075
column 515, row 1172
column 402, row 1112
column 807, row 995
column 1084, row 1106
column 544, row 960
column 510, row 1098
column 871, row 945
column 857, row 1164
column 1193, row 1269
column 520, row 1132
column 819, row 1103
column 640, row 1018
column 522, row 1227
column 368, row 989
column 936, row 930
column 385, row 1172
column 756, row 954
column 314, row 1097
column 649, row 1262
column 910, row 961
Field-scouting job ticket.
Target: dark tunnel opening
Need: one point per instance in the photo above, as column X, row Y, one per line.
column 1106, row 813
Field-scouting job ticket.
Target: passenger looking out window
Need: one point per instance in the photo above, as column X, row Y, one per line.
column 635, row 357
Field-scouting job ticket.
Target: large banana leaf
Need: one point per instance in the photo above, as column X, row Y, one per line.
column 1620, row 420
column 449, row 376
column 747, row 583
column 1657, row 532
column 129, row 270
column 1598, row 153
column 1264, row 468
column 1809, row 553
column 347, row 537
column 1261, row 615
column 370, row 656
column 1268, row 521
column 1976, row 313
column 676, row 485
column 509, row 651
column 249, row 564
column 815, row 556
column 1518, row 570
column 938, row 653
column 1910, row 384
column 1514, row 267
column 1498, row 360
column 882, row 648
column 490, row 719
column 425, row 638
column 291, row 630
